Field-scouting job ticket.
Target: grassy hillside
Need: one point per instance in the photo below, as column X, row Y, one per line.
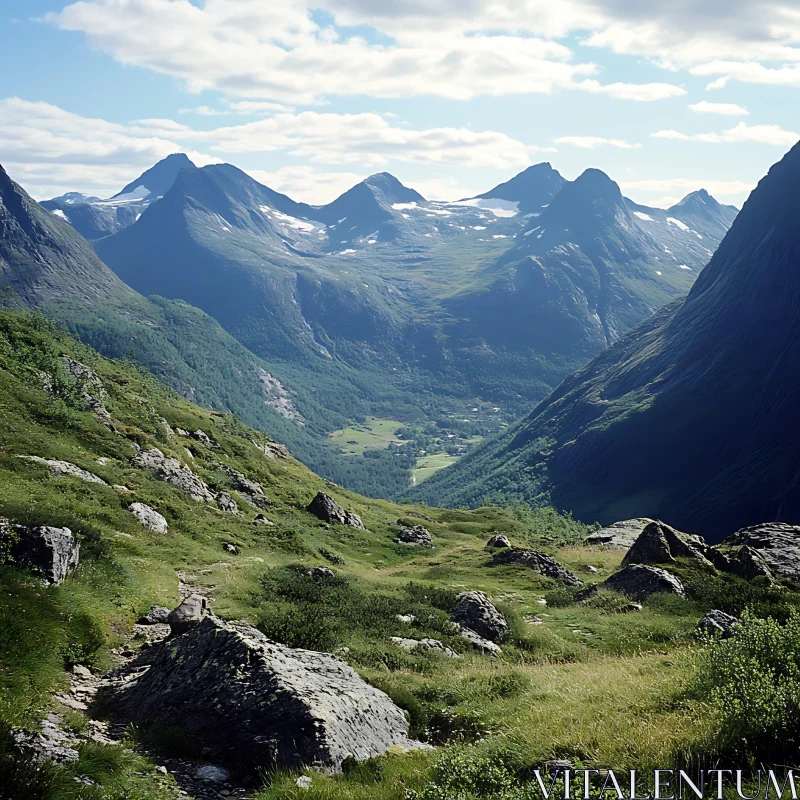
column 576, row 680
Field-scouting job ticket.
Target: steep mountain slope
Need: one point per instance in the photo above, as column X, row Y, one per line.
column 688, row 418
column 531, row 189
column 95, row 219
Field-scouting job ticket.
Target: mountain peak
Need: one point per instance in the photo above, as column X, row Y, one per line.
column 157, row 180
column 532, row 188
column 391, row 189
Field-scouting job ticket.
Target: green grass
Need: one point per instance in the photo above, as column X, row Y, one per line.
column 373, row 434
column 427, row 465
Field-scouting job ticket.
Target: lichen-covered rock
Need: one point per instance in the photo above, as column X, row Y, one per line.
column 149, row 517
column 416, row 535
column 324, row 507
column 717, row 623
column 424, row 644
column 475, row 611
column 777, row 543
column 157, row 615
column 174, row 473
column 539, row 562
column 261, row 704
column 498, row 540
column 658, row 543
column 620, row 535
column 638, row 581
column 188, row 614
column 50, row 552
column 59, row 468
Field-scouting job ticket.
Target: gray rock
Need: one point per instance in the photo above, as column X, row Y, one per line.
column 50, row 552
column 88, row 384
column 777, row 543
column 211, row 773
column 717, row 623
column 181, row 432
column 230, row 547
column 251, row 489
column 479, row 643
column 49, row 743
column 416, row 535
column 226, row 503
column 658, row 543
column 174, row 473
column 149, row 517
column 538, row 562
column 157, row 615
column 621, row 534
column 273, row 450
column 498, row 540
column 475, row 611
column 59, row 468
column 424, row 644
column 260, row 519
column 638, row 581
column 327, row 509
column 203, row 437
column 188, row 614
column 263, row 705
column 322, row 573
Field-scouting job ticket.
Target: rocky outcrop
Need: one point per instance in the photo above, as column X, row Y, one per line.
column 59, row 468
column 717, row 623
column 424, row 644
column 327, row 509
column 202, row 437
column 638, row 581
column 86, row 381
column 260, row 704
column 226, row 503
column 416, row 535
column 660, row 544
column 52, row 553
column 476, row 612
column 251, row 489
column 149, row 517
column 775, row 544
column 174, row 473
column 188, row 614
column 479, row 643
column 538, row 562
column 273, row 449
column 49, row 743
column 157, row 615
column 498, row 540
column 621, row 534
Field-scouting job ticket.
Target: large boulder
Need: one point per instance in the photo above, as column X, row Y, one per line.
column 538, row 562
column 149, row 517
column 475, row 611
column 479, row 643
column 53, row 553
column 324, row 507
column 416, row 535
column 188, row 614
column 498, row 540
column 260, row 704
column 717, row 623
column 639, row 581
column 621, row 534
column 423, row 645
column 776, row 544
column 658, row 543
column 250, row 488
column 65, row 468
column 174, row 473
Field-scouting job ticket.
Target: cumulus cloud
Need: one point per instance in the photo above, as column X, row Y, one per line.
column 591, row 142
column 759, row 134
column 724, row 109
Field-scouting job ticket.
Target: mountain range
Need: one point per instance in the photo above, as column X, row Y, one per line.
column 688, row 418
column 380, row 303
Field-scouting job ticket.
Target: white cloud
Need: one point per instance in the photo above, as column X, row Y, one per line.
column 750, row 72
column 305, row 184
column 759, row 134
column 724, row 109
column 683, row 186
column 275, row 51
column 719, row 83
column 591, row 142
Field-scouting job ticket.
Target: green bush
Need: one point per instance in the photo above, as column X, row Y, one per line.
column 753, row 683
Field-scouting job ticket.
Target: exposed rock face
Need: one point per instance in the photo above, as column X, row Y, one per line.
column 49, row 743
column 251, row 489
column 475, row 611
column 327, row 509
column 423, row 644
column 718, row 623
column 479, row 643
column 621, row 534
column 639, row 582
column 660, row 544
column 149, row 517
column 87, row 382
column 174, row 473
column 203, row 438
column 53, row 553
column 58, row 468
column 322, row 573
column 188, row 614
column 226, row 503
column 157, row 615
column 539, row 562
column 273, row 450
column 263, row 704
column 498, row 541
column 777, row 543
column 416, row 535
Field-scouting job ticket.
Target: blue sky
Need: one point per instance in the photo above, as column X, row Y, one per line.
column 452, row 96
